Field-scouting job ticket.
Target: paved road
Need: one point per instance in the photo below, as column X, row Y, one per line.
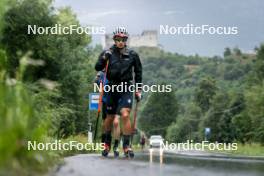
column 95, row 165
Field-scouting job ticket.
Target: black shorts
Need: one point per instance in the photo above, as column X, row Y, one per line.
column 118, row 100
column 104, row 110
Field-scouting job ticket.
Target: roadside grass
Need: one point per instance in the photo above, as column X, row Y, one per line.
column 20, row 122
column 253, row 149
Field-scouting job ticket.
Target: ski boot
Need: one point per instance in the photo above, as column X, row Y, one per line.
column 106, row 150
column 116, row 152
column 128, row 152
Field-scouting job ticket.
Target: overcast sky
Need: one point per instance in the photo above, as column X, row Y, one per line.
column 139, row 15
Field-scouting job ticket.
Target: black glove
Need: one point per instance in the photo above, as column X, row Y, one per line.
column 107, row 54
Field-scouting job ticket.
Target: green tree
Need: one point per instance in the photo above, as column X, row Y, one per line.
column 227, row 52
column 16, row 20
column 186, row 126
column 255, row 110
column 159, row 112
column 259, row 65
column 237, row 51
column 65, row 57
column 215, row 114
column 243, row 127
column 233, row 72
column 204, row 93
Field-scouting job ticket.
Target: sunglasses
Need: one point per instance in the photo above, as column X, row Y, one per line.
column 120, row 39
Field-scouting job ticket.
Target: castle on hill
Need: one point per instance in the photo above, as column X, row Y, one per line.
column 148, row 38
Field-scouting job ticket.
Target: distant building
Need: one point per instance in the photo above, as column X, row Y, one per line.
column 148, row 38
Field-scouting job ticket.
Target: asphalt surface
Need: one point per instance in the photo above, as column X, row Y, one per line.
column 172, row 164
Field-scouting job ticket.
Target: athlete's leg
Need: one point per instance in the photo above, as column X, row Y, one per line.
column 116, row 134
column 116, row 125
column 108, row 128
column 125, row 105
column 108, row 137
column 125, row 116
column 108, row 122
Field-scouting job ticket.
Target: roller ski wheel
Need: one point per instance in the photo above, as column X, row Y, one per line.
column 128, row 152
column 116, row 153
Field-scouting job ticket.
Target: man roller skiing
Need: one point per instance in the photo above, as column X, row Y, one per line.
column 116, row 132
column 121, row 63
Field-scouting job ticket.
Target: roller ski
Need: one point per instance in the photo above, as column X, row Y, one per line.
column 116, row 153
column 128, row 152
column 106, row 150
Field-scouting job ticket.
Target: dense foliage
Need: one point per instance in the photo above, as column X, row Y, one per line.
column 45, row 80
